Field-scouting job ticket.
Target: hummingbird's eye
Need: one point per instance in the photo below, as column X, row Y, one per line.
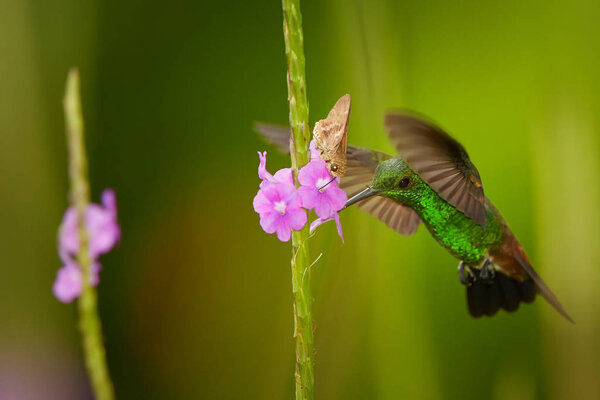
column 404, row 182
column 333, row 167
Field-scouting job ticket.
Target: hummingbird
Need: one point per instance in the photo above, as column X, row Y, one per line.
column 433, row 181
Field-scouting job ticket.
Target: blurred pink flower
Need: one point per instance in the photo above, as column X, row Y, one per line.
column 101, row 224
column 104, row 233
column 319, row 190
column 68, row 284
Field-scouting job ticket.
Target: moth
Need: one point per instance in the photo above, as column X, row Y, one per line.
column 331, row 136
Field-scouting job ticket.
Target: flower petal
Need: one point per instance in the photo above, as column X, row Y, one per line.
column 262, row 167
column 295, row 218
column 109, row 201
column 338, row 224
column 261, row 203
column 68, row 284
column 314, row 152
column 103, row 240
column 319, row 221
column 269, row 221
column 312, row 172
column 101, row 225
column 323, row 207
column 337, row 197
column 284, row 233
column 95, row 276
column 284, row 176
column 68, row 238
column 309, row 197
column 294, row 199
column 315, row 224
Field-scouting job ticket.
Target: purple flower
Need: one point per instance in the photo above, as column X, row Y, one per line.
column 282, row 176
column 101, row 224
column 280, row 210
column 103, row 234
column 315, row 154
column 278, row 203
column 319, row 190
column 68, row 284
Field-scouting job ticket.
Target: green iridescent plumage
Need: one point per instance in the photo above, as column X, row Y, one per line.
column 462, row 236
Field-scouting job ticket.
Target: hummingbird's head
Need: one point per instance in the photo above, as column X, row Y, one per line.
column 392, row 175
column 393, row 179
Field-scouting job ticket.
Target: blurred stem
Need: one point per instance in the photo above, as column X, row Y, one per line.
column 89, row 322
column 303, row 328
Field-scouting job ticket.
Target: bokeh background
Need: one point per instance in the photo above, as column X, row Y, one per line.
column 196, row 302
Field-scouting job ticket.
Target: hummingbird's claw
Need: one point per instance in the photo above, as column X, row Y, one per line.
column 468, row 275
column 465, row 274
column 487, row 272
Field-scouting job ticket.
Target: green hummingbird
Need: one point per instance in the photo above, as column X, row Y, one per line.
column 433, row 181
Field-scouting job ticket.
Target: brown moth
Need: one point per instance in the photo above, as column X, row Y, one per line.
column 331, row 136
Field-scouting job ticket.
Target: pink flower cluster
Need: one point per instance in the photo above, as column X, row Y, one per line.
column 103, row 233
column 282, row 207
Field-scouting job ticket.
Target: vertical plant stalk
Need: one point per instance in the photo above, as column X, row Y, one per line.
column 89, row 322
column 303, row 324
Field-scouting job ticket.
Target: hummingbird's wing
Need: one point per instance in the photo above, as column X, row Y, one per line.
column 277, row 135
column 360, row 166
column 400, row 218
column 440, row 160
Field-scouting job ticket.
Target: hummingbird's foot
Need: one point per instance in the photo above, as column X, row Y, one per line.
column 487, row 272
column 465, row 274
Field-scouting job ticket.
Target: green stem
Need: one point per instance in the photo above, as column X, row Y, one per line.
column 303, row 326
column 89, row 322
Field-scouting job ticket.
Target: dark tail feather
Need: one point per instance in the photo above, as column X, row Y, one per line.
column 488, row 296
column 544, row 290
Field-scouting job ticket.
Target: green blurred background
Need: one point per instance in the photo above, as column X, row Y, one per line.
column 196, row 302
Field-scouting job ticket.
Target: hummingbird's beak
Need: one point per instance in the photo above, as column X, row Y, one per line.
column 368, row 192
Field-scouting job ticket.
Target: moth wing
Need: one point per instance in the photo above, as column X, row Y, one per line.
column 331, row 133
column 279, row 136
column 341, row 112
column 440, row 160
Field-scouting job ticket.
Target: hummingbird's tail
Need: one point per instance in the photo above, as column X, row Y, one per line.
column 485, row 296
column 511, row 262
column 543, row 289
